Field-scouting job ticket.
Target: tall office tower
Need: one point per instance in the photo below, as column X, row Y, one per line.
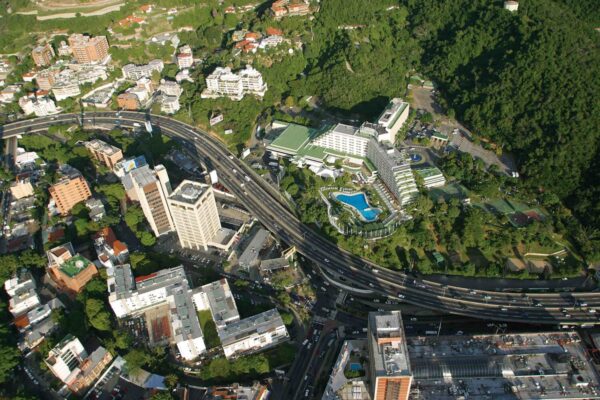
column 151, row 187
column 389, row 365
column 42, row 55
column 70, row 189
column 195, row 214
column 88, row 50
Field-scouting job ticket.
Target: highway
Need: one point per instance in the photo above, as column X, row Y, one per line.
column 265, row 203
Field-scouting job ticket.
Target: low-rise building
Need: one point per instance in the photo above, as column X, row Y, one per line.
column 136, row 72
column 40, row 106
column 222, row 82
column 165, row 299
column 253, row 334
column 250, row 256
column 218, row 298
column 185, row 57
column 109, row 249
column 170, row 88
column 432, row 177
column 169, row 104
column 64, row 90
column 71, row 364
column 96, row 209
column 163, row 39
column 23, row 301
column 71, row 271
column 107, row 154
column 22, row 281
column 9, row 93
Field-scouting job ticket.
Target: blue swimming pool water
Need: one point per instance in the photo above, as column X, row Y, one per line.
column 355, row 367
column 359, row 202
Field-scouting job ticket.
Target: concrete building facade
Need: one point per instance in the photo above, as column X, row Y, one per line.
column 195, row 214
column 68, row 269
column 42, row 55
column 70, row 189
column 88, row 50
column 105, row 153
column 151, row 188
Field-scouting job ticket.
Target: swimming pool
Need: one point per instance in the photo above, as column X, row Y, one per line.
column 358, row 201
column 355, row 367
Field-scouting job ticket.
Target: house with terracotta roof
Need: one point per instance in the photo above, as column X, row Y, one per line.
column 70, row 270
column 129, row 20
column 146, row 8
column 110, row 250
column 273, row 31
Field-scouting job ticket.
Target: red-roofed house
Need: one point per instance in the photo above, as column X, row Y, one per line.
column 131, row 20
column 230, row 10
column 109, row 249
column 252, row 36
column 274, row 31
column 146, row 8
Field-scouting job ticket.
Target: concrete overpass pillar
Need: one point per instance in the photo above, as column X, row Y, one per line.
column 10, row 151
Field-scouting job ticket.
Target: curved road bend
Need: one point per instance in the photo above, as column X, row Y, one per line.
column 264, row 202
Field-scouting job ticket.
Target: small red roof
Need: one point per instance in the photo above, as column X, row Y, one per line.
column 274, row 31
column 252, row 36
column 145, row 277
column 119, row 247
column 22, row 321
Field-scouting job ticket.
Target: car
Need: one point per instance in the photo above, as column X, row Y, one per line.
column 400, row 295
column 503, row 309
column 371, row 284
column 306, row 393
column 459, row 333
column 326, row 260
column 375, row 271
column 305, row 377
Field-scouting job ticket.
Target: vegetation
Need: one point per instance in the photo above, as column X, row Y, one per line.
column 209, row 329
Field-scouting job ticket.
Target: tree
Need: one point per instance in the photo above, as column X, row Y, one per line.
column 162, row 396
column 171, row 381
column 98, row 317
column 136, row 359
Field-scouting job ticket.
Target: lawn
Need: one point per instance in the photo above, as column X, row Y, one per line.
column 209, row 329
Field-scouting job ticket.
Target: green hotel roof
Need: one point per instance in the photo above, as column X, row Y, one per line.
column 72, row 267
column 293, row 137
column 427, row 172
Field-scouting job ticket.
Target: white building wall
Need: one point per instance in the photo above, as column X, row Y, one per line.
column 255, row 342
column 192, row 348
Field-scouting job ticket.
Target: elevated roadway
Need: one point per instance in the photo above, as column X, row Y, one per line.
column 266, row 204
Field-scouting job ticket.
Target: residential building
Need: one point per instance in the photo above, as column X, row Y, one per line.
column 87, row 50
column 22, row 281
column 46, row 79
column 109, row 249
column 136, row 72
column 69, row 269
column 42, row 55
column 128, row 101
column 218, row 298
column 7, row 95
column 195, row 214
column 511, row 5
column 432, row 177
column 165, row 299
column 151, row 188
column 40, row 106
column 253, row 334
column 255, row 392
column 185, row 57
column 339, row 387
column 170, row 104
column 105, row 153
column 224, row 83
column 64, row 50
column 393, row 118
column 394, row 170
column 270, row 41
column 346, row 139
column 70, row 363
column 390, row 369
column 23, row 301
column 287, row 8
column 64, row 90
column 170, row 88
column 96, row 209
column 21, row 189
column 70, row 189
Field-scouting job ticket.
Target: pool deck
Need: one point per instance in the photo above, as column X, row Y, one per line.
column 362, row 217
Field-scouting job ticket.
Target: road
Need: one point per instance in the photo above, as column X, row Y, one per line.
column 265, row 203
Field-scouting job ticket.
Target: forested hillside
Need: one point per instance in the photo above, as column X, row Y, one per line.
column 527, row 80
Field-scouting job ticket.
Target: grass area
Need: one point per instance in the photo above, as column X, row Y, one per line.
column 247, row 309
column 209, row 329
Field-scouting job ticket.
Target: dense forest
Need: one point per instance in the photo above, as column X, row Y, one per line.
column 527, row 80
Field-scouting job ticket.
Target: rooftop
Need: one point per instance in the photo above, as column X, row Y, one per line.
column 250, row 254
column 74, row 265
column 293, row 137
column 386, row 338
column 188, row 192
column 392, row 112
column 222, row 303
column 102, row 147
column 259, row 323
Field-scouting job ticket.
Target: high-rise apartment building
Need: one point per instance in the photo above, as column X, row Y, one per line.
column 151, row 188
column 70, row 189
column 347, row 139
column 393, row 118
column 42, row 55
column 87, row 50
column 389, row 364
column 195, row 214
column 104, row 152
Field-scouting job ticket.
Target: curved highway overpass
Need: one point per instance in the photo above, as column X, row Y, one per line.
column 265, row 203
